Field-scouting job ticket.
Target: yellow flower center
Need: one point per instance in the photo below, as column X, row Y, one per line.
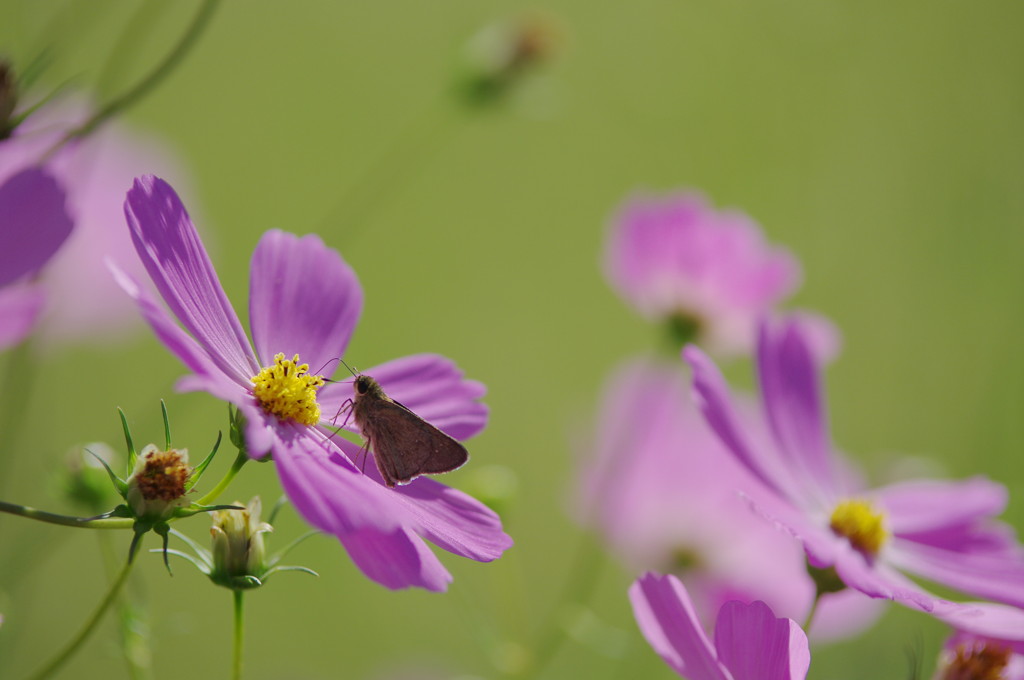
column 287, row 390
column 861, row 524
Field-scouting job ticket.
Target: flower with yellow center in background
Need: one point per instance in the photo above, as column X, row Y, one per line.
column 941, row 531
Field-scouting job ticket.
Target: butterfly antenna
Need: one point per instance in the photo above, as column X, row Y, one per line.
column 354, row 373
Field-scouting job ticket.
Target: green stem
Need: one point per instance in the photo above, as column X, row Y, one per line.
column 89, row 627
column 143, row 87
column 66, row 520
column 241, row 459
column 814, row 610
column 236, row 663
column 583, row 578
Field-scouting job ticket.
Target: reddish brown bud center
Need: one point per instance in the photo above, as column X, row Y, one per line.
column 978, row 661
column 164, row 476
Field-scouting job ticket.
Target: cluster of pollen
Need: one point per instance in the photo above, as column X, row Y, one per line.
column 860, row 524
column 287, row 390
column 977, row 662
column 163, row 476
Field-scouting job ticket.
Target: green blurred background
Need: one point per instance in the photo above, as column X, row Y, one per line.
column 882, row 142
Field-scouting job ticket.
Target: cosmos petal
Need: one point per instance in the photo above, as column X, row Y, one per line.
column 755, row 645
column 396, row 559
column 791, row 394
column 20, row 306
column 304, row 299
column 998, row 577
column 35, row 223
column 174, row 256
column 666, row 617
column 927, row 505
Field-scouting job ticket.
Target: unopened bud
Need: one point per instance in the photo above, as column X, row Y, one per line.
column 239, row 554
column 503, row 52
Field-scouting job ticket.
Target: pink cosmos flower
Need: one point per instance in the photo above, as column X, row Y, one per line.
column 82, row 300
column 972, row 657
column 664, row 494
column 750, row 642
column 303, row 307
column 35, row 223
column 941, row 531
column 675, row 258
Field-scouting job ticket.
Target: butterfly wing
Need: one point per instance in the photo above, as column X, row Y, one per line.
column 405, row 446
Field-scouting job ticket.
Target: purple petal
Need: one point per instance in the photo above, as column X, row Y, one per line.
column 451, row 519
column 927, row 505
column 176, row 260
column 996, row 577
column 666, row 617
column 397, row 559
column 716, row 403
column 429, row 385
column 791, row 393
column 20, row 305
column 304, row 299
column 328, row 490
column 983, row 618
column 755, row 645
column 35, row 223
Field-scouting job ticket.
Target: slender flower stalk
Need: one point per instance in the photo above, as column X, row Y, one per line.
column 91, row 624
column 237, row 597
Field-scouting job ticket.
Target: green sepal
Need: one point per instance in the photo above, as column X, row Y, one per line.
column 119, row 484
column 237, row 428
column 195, row 509
column 277, row 557
column 198, row 470
column 281, row 502
column 247, row 582
column 121, row 511
column 196, row 562
column 167, row 425
column 132, row 455
column 274, row 570
column 162, row 530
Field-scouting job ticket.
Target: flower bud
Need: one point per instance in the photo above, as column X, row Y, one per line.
column 84, row 481
column 157, row 485
column 239, row 554
column 501, row 53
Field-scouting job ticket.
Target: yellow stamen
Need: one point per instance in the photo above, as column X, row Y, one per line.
column 287, row 390
column 861, row 524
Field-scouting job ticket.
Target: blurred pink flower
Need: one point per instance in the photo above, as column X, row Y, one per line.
column 942, row 531
column 34, row 224
column 750, row 642
column 675, row 258
column 664, row 494
column 82, row 300
column 972, row 657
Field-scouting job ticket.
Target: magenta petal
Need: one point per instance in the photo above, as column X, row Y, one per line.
column 176, row 260
column 396, row 559
column 925, row 505
column 666, row 617
column 429, row 385
column 328, row 490
column 984, row 618
column 20, row 305
column 303, row 299
column 998, row 577
column 35, row 223
column 453, row 520
column 755, row 645
column 716, row 403
column 791, row 393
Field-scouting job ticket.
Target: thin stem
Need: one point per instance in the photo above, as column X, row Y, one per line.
column 90, row 625
column 236, row 663
column 814, row 610
column 151, row 80
column 241, row 459
column 583, row 578
column 66, row 520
